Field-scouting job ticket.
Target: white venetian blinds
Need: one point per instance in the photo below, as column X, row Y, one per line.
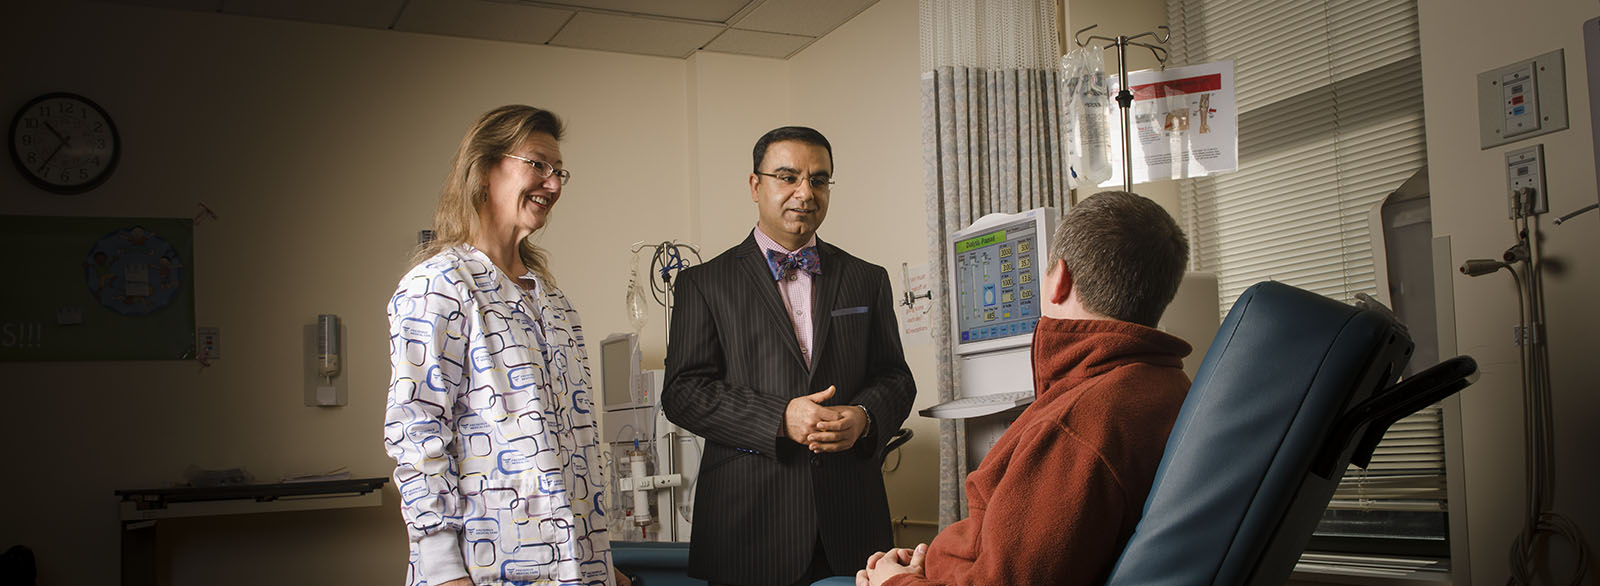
column 1407, row 471
column 1330, row 121
column 1329, row 94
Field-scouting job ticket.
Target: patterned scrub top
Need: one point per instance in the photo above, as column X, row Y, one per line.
column 490, row 420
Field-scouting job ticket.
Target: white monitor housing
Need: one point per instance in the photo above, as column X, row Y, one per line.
column 620, row 379
column 997, row 265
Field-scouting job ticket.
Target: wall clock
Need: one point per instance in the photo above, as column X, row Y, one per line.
column 64, row 143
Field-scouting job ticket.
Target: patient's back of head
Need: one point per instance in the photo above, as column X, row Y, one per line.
column 1125, row 253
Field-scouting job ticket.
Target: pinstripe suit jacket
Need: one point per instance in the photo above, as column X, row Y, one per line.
column 733, row 364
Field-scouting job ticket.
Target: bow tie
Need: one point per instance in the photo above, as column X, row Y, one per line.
column 784, row 265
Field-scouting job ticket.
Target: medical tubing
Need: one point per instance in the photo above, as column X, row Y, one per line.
column 1534, row 360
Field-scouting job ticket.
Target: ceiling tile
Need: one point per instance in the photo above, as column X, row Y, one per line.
column 711, row 11
column 480, row 19
column 366, row 13
column 802, row 17
column 758, row 43
column 627, row 34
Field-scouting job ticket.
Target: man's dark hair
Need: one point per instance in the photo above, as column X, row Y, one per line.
column 800, row 133
column 1126, row 255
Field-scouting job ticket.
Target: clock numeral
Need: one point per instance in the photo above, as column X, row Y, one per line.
column 77, row 151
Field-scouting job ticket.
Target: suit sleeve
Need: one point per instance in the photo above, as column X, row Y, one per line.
column 889, row 389
column 427, row 352
column 695, row 395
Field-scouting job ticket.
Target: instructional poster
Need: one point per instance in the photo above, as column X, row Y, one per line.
column 1184, row 124
column 98, row 289
column 914, row 318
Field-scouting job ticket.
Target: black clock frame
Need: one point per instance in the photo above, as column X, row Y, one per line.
column 16, row 160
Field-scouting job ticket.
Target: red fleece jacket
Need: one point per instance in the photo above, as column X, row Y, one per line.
column 1058, row 496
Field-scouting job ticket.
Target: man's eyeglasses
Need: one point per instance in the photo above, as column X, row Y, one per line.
column 544, row 169
column 818, row 182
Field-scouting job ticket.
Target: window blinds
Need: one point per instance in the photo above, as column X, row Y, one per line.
column 1329, row 94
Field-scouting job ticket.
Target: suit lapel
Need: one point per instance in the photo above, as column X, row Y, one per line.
column 754, row 263
column 824, row 288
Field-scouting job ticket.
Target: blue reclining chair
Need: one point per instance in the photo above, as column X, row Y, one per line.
column 1294, row 388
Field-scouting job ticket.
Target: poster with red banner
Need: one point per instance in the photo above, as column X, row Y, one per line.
column 1184, row 123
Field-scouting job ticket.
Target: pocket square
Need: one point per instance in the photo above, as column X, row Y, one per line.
column 849, row 311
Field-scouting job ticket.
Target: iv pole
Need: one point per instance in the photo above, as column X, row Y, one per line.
column 1125, row 97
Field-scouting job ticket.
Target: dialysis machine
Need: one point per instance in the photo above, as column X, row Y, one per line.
column 996, row 265
column 652, row 462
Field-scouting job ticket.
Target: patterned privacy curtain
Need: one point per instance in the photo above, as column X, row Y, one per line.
column 991, row 142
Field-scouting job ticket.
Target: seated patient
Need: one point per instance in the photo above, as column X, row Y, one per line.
column 1058, row 496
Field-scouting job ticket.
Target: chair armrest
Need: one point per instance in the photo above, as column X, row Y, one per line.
column 1371, row 418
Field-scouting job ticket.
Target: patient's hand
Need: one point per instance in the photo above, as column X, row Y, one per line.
column 885, row 565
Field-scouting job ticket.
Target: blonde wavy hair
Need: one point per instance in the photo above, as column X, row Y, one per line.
column 497, row 132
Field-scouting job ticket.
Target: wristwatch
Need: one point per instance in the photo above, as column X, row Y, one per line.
column 868, row 414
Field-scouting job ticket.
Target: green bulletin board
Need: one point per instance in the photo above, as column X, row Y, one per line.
column 97, row 288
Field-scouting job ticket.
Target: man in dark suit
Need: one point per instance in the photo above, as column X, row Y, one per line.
column 785, row 355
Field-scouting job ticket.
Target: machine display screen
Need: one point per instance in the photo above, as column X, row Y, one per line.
column 997, row 282
column 617, row 370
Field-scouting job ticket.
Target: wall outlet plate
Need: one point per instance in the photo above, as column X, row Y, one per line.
column 1525, row 169
column 209, row 343
column 1522, row 100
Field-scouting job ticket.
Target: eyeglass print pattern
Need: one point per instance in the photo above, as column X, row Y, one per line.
column 490, row 420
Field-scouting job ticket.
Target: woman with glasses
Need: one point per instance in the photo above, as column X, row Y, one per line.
column 489, row 417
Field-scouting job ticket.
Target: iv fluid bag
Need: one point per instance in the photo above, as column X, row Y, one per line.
column 1088, row 126
column 636, row 308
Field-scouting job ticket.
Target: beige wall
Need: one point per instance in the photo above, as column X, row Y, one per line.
column 1461, row 39
column 737, row 99
column 322, row 150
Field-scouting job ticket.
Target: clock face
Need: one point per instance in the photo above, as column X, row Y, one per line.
column 64, row 143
